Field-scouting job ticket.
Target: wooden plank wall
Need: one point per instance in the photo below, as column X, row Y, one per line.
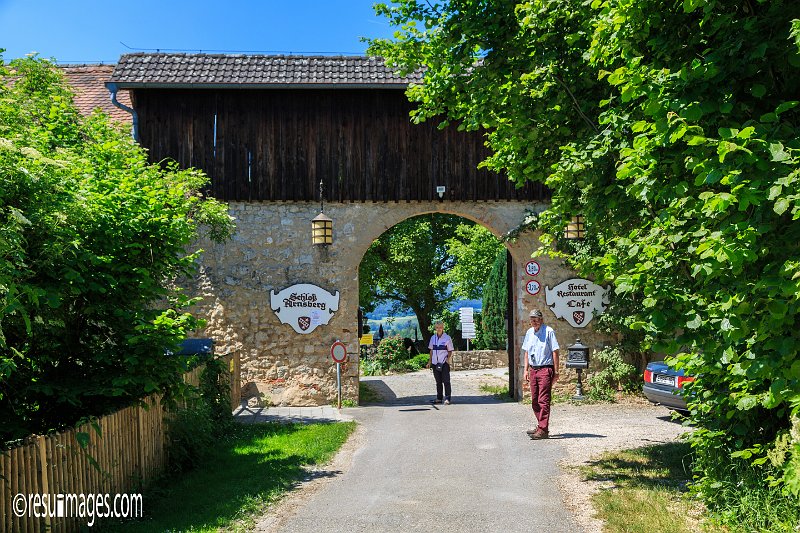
column 129, row 449
column 276, row 145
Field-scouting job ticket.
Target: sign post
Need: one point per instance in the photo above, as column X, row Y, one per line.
column 338, row 354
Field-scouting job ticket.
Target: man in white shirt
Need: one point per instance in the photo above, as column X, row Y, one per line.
column 441, row 347
column 540, row 349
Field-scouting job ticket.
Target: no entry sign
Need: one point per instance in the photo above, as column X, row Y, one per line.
column 338, row 352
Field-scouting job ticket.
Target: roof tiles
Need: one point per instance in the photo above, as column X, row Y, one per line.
column 173, row 70
column 88, row 81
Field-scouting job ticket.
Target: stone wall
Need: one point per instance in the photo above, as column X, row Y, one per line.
column 479, row 359
column 272, row 250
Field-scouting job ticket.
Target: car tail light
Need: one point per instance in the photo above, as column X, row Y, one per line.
column 684, row 379
column 648, row 376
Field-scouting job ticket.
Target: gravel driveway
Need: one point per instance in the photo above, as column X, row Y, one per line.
column 412, row 466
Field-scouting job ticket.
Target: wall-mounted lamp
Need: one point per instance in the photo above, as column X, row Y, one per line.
column 321, row 225
column 440, row 190
column 576, row 229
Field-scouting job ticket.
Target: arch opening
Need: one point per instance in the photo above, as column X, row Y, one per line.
column 426, row 268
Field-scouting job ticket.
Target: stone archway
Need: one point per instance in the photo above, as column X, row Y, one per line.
column 272, row 250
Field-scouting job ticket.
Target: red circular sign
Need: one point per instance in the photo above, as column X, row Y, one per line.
column 338, row 352
column 533, row 287
column 532, row 268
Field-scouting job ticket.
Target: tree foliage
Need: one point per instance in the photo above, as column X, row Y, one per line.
column 495, row 305
column 473, row 249
column 673, row 127
column 425, row 263
column 92, row 238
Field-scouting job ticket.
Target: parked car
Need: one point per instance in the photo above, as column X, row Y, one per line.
column 663, row 383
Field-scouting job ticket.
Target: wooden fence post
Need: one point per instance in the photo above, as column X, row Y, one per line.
column 42, row 445
column 139, row 439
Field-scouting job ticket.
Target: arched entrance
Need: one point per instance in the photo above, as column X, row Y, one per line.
column 272, row 250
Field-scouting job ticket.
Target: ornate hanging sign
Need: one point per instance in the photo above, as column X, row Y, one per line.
column 577, row 301
column 304, row 306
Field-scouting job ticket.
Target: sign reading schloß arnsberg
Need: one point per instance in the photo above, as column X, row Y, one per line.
column 304, row 306
column 577, row 301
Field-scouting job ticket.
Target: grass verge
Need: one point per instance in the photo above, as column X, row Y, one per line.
column 499, row 392
column 242, row 476
column 366, row 394
column 645, row 490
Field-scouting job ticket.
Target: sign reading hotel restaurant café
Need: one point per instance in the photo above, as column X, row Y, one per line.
column 577, row 301
column 304, row 306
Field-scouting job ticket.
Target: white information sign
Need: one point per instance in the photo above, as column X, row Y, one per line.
column 304, row 306
column 467, row 323
column 577, row 301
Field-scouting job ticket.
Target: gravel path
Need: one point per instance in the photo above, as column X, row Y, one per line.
column 383, row 476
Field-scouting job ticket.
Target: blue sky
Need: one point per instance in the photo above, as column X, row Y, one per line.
column 84, row 31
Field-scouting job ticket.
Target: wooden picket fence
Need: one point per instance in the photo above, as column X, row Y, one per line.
column 128, row 447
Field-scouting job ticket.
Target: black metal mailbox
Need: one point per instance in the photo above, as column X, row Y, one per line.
column 577, row 355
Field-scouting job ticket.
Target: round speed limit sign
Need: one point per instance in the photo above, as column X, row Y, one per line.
column 338, row 352
column 532, row 268
column 533, row 287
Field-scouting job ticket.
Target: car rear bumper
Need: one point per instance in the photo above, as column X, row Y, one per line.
column 664, row 396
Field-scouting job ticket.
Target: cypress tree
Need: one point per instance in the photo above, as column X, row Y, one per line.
column 495, row 302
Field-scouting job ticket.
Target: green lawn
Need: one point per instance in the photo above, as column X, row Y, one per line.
column 242, row 476
column 646, row 490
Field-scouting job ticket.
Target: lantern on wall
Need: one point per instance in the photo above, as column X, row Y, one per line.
column 575, row 229
column 321, row 225
column 322, row 229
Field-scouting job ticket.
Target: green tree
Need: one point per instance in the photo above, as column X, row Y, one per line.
column 425, row 263
column 674, row 128
column 92, row 239
column 404, row 265
column 495, row 305
column 473, row 249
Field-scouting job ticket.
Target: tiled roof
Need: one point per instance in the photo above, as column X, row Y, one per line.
column 207, row 70
column 89, row 81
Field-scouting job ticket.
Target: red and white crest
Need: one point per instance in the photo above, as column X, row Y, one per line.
column 578, row 317
column 304, row 322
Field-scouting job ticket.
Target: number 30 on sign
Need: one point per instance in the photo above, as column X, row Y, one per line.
column 533, row 287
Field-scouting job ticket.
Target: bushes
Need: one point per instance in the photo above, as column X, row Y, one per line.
column 391, row 355
column 93, row 238
column 615, row 375
column 205, row 418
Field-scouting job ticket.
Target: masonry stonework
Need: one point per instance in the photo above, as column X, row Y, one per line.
column 272, row 250
column 479, row 359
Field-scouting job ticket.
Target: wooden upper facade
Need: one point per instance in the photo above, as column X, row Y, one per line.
column 270, row 128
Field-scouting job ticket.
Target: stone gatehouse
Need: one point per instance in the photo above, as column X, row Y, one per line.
column 268, row 130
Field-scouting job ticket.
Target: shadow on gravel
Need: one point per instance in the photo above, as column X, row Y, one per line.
column 388, row 397
column 677, row 418
column 576, row 436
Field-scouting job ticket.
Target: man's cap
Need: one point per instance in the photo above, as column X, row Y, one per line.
column 536, row 313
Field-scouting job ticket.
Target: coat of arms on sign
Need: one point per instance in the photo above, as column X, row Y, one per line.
column 577, row 301
column 304, row 306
